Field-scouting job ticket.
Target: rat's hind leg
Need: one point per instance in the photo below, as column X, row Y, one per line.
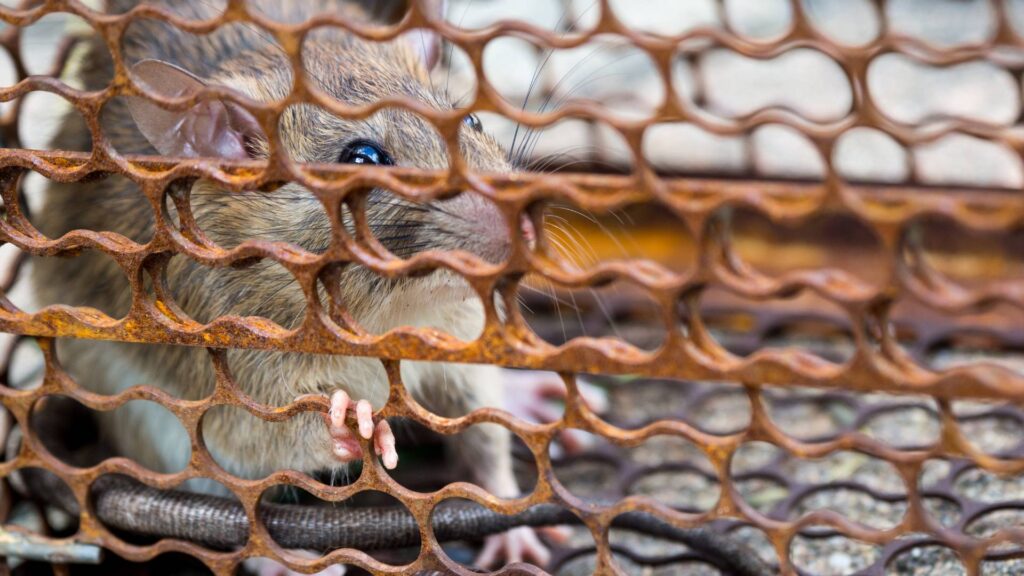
column 485, row 449
column 345, row 444
column 534, row 396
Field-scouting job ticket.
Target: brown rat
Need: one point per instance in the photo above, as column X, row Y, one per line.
column 241, row 57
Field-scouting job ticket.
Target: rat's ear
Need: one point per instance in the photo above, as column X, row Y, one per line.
column 213, row 128
column 427, row 43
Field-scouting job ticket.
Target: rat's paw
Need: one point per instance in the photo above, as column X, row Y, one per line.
column 517, row 545
column 533, row 396
column 345, row 444
column 267, row 567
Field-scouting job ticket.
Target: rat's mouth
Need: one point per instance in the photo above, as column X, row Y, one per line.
column 440, row 299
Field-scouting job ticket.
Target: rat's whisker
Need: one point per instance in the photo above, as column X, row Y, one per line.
column 533, row 135
column 607, row 231
column 565, row 241
column 542, row 163
column 533, row 84
column 604, row 312
column 581, row 245
column 521, row 302
column 451, row 49
column 546, row 293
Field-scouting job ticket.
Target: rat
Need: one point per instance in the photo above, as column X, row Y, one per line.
column 242, row 57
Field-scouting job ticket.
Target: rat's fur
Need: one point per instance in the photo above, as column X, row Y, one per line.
column 352, row 70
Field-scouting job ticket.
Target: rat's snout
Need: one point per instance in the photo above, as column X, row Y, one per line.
column 528, row 231
column 480, row 227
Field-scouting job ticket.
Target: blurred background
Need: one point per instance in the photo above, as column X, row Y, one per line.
column 724, row 85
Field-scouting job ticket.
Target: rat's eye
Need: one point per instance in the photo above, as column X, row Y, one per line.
column 363, row 152
column 473, row 122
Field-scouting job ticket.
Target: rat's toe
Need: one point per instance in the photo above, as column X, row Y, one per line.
column 384, row 442
column 517, row 545
column 344, row 444
column 336, row 415
column 494, row 547
column 364, row 417
column 531, row 548
column 556, row 534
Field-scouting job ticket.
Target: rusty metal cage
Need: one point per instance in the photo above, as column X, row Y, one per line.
column 740, row 328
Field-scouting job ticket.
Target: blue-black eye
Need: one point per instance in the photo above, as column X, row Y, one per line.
column 363, row 152
column 473, row 122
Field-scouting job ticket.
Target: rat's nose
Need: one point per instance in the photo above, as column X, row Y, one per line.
column 481, row 227
column 528, row 231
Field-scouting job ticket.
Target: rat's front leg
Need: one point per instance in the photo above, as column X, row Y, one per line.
column 345, row 444
column 487, row 451
column 345, row 448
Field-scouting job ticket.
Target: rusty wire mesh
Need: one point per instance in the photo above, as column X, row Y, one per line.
column 689, row 305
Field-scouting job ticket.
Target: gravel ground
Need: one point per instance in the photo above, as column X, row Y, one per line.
column 646, row 400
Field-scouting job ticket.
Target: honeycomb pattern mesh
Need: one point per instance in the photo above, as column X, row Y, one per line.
column 692, row 349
